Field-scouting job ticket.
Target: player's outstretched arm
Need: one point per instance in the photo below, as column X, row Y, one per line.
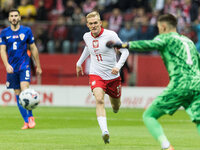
column 34, row 52
column 112, row 44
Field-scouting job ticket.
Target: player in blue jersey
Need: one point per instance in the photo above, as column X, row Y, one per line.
column 14, row 41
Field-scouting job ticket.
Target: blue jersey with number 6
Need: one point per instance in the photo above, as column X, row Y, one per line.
column 16, row 46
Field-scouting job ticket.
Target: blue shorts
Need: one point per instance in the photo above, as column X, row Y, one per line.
column 14, row 79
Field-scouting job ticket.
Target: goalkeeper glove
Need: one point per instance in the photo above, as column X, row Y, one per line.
column 111, row 44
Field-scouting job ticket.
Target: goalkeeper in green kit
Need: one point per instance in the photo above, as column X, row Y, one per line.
column 182, row 62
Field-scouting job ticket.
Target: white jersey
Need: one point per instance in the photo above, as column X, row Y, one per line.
column 103, row 59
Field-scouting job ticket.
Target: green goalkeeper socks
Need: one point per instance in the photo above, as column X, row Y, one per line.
column 150, row 117
column 198, row 128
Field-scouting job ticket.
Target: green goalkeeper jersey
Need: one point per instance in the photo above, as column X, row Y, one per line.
column 180, row 57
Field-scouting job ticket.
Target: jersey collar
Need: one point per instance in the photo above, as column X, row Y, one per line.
column 102, row 29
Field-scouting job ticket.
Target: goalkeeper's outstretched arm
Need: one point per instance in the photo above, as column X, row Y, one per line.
column 142, row 45
column 111, row 44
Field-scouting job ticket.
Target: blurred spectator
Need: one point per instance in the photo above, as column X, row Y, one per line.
column 89, row 5
column 28, row 11
column 59, row 6
column 171, row 6
column 183, row 14
column 48, row 4
column 69, row 8
column 127, row 4
column 105, row 24
column 189, row 32
column 159, row 5
column 59, row 43
column 153, row 20
column 196, row 27
column 153, row 23
column 145, row 31
column 41, row 38
column 77, row 34
column 107, row 5
column 141, row 21
column 77, row 16
column 100, row 7
column 141, row 16
column 41, row 11
column 186, row 6
column 115, row 20
column 58, row 9
column 128, row 32
column 194, row 10
column 5, row 7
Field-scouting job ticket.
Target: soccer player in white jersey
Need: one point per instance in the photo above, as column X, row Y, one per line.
column 104, row 69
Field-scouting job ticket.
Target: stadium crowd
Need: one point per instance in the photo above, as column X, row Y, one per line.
column 58, row 25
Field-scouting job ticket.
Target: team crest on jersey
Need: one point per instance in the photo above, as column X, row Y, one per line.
column 95, row 43
column 22, row 35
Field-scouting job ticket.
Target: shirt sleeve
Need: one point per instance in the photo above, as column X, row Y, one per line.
column 84, row 55
column 123, row 57
column 124, row 53
column 30, row 36
column 147, row 45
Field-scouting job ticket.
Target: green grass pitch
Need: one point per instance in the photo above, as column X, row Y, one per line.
column 66, row 128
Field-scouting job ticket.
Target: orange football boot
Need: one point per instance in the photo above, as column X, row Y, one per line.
column 25, row 126
column 31, row 122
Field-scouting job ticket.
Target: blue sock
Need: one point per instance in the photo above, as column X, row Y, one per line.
column 30, row 114
column 22, row 110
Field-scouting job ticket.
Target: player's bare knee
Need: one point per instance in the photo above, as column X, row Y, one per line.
column 17, row 91
column 99, row 101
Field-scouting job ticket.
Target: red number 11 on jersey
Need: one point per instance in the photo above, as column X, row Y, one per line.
column 99, row 58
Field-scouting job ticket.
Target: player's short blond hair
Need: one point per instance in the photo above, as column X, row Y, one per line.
column 93, row 14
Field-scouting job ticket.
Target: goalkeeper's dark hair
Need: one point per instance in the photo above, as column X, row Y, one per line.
column 169, row 18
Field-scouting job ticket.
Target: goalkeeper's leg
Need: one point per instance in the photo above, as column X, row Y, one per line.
column 150, row 117
column 198, row 127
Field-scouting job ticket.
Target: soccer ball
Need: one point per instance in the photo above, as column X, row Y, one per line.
column 29, row 99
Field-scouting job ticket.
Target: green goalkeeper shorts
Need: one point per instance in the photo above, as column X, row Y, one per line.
column 172, row 99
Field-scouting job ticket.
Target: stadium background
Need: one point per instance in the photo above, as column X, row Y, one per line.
column 58, row 26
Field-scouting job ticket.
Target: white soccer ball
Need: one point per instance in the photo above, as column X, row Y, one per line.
column 29, row 99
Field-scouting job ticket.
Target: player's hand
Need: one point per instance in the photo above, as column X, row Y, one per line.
column 38, row 70
column 79, row 71
column 112, row 44
column 115, row 70
column 9, row 69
